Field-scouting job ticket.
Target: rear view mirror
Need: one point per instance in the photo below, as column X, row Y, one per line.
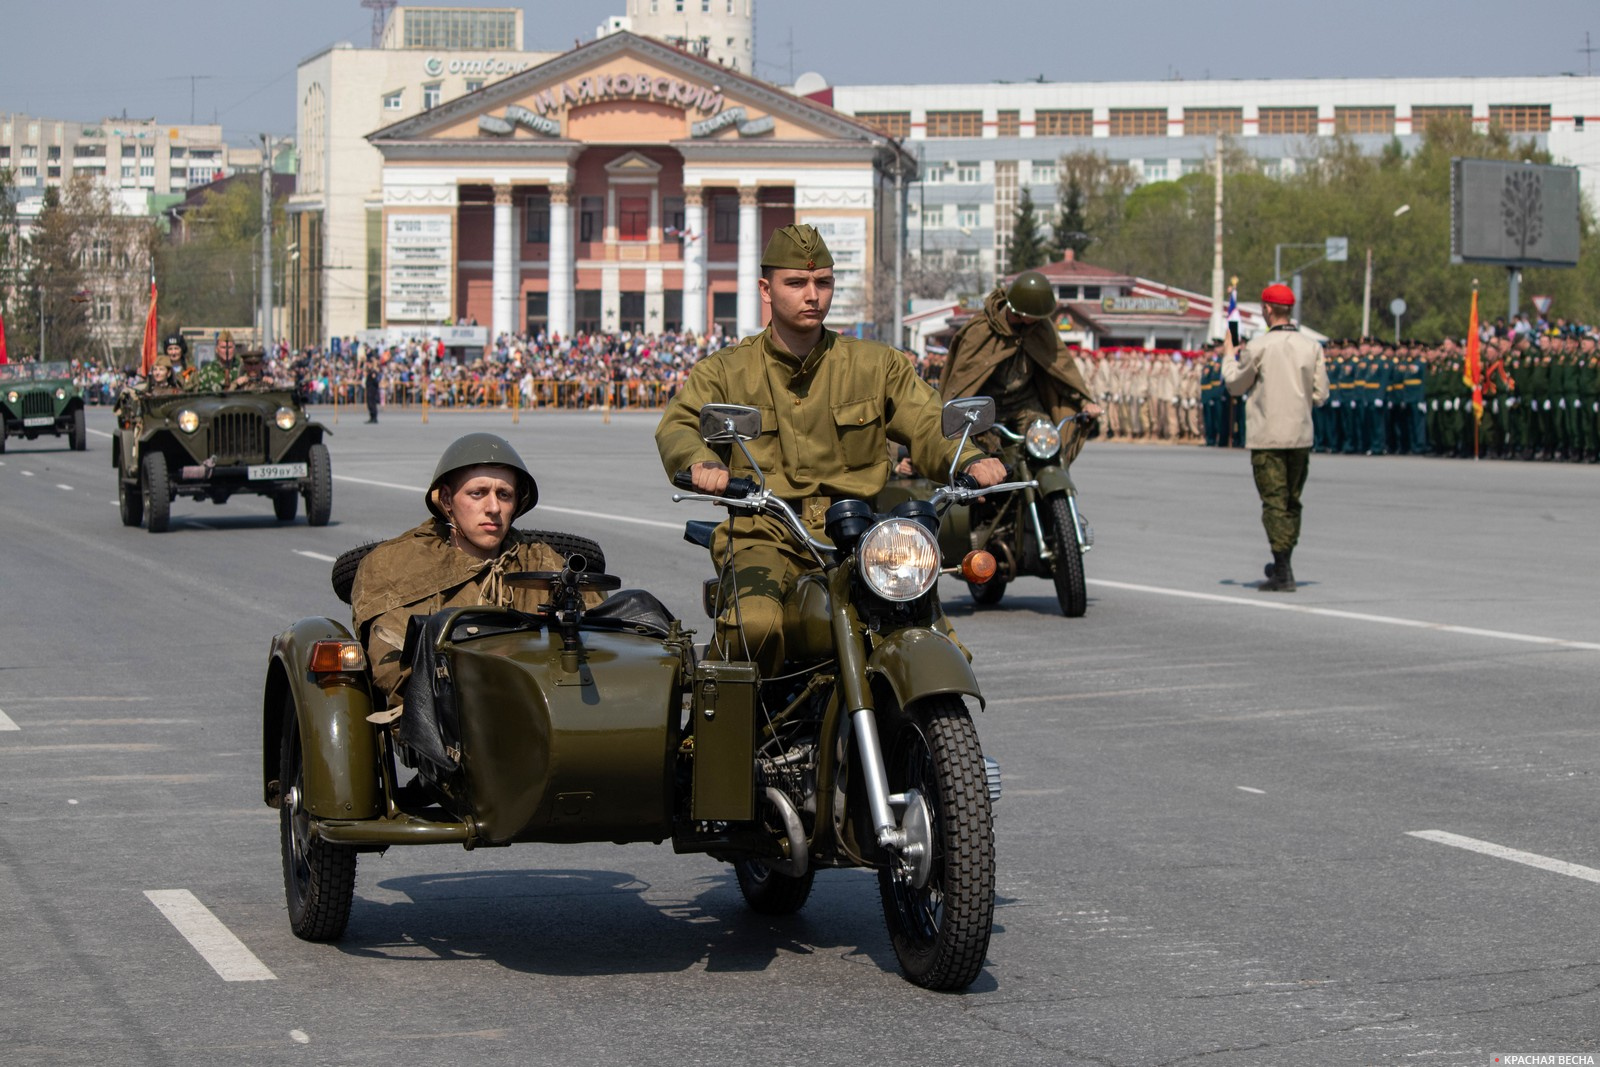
column 970, row 415
column 723, row 423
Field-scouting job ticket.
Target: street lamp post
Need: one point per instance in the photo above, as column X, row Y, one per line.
column 1366, row 293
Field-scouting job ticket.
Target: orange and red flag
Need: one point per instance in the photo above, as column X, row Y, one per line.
column 148, row 349
column 3, row 357
column 1472, row 371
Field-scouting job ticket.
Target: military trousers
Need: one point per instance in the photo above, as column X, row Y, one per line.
column 1280, row 475
column 759, row 571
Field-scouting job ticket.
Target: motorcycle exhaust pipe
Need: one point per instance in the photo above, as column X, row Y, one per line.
column 799, row 858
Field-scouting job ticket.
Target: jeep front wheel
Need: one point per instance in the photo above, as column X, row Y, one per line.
column 319, row 485
column 157, row 493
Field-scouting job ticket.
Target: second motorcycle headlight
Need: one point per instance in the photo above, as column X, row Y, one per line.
column 1044, row 440
column 899, row 559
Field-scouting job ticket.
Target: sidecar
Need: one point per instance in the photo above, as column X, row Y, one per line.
column 560, row 726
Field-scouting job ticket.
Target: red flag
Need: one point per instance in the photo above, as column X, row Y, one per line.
column 147, row 350
column 1472, row 372
column 3, row 358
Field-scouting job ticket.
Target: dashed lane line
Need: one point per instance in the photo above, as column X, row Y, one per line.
column 68, row 488
column 1356, row 616
column 6, row 722
column 215, row 942
column 542, row 507
column 27, row 474
column 1515, row 855
column 99, row 433
column 315, row 555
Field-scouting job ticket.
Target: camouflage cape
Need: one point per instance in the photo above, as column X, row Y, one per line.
column 984, row 344
column 214, row 377
column 421, row 572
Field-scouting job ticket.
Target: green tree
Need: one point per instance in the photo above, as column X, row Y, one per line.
column 1069, row 227
column 53, row 284
column 208, row 270
column 1027, row 250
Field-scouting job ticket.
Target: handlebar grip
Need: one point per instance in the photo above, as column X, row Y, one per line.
column 683, row 480
column 738, row 488
column 966, row 481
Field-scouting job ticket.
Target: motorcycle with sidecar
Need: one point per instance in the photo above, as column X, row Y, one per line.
column 574, row 724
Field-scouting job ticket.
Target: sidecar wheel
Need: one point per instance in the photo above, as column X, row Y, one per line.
column 1068, row 567
column 771, row 893
column 989, row 593
column 941, row 929
column 319, row 879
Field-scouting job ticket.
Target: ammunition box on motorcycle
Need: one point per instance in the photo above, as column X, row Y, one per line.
column 550, row 754
column 724, row 726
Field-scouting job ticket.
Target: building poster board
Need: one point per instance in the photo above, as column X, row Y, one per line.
column 419, row 268
column 1514, row 214
column 846, row 237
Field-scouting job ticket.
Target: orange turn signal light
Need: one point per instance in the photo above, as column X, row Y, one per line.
column 978, row 566
column 337, row 657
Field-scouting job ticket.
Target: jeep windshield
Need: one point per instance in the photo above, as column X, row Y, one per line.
column 35, row 372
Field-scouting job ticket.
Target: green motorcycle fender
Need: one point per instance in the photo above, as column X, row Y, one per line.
column 1055, row 479
column 339, row 747
column 918, row 662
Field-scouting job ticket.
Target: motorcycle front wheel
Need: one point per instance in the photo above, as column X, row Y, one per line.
column 940, row 929
column 1067, row 568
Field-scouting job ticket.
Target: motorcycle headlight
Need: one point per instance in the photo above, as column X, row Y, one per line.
column 61, row 394
column 188, row 421
column 285, row 418
column 899, row 559
column 1044, row 440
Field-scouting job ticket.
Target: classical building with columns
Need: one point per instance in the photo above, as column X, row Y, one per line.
column 625, row 185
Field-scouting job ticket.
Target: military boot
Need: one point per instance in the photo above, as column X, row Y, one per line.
column 1280, row 575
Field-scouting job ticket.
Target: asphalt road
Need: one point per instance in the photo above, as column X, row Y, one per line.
column 1208, row 839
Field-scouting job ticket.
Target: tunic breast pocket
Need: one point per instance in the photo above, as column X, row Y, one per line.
column 861, row 436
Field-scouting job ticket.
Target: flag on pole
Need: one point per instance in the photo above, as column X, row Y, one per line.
column 1471, row 371
column 147, row 350
column 3, row 358
column 1233, row 303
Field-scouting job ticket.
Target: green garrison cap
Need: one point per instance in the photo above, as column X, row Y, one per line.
column 797, row 247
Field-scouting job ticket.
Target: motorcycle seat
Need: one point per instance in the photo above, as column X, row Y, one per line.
column 637, row 610
column 698, row 532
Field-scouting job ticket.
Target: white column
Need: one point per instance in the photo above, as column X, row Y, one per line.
column 561, row 309
column 504, row 287
column 694, row 261
column 749, row 313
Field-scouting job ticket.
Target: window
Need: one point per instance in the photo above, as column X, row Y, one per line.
column 932, row 216
column 128, row 151
column 967, row 216
column 888, row 123
column 969, row 173
column 725, row 219
column 1213, row 120
column 966, row 261
column 955, row 124
column 1045, row 172
column 1520, row 118
column 394, row 101
column 53, row 152
column 705, row 7
column 1008, row 123
column 1138, row 122
column 536, row 210
column 677, row 6
column 432, row 93
column 1363, row 120
column 591, row 218
column 1078, row 123
column 1193, row 166
column 33, row 171
column 633, row 218
column 147, row 170
column 1577, row 124
column 1155, row 170
column 127, row 171
column 474, row 86
column 1421, row 116
column 1287, row 120
column 147, row 151
column 30, row 151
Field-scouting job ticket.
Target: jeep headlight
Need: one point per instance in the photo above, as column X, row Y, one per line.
column 899, row 559
column 188, row 421
column 285, row 418
column 1044, row 440
column 11, row 397
column 61, row 394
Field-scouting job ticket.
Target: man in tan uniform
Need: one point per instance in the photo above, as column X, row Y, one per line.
column 1285, row 374
column 830, row 405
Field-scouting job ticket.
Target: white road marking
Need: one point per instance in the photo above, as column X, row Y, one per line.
column 1250, row 789
column 99, row 433
column 542, row 507
column 27, row 474
column 1357, row 616
column 68, row 488
column 315, row 555
column 300, row 1037
column 1532, row 859
column 6, row 723
column 214, row 941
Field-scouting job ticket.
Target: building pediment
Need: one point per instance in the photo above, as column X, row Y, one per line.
column 627, row 89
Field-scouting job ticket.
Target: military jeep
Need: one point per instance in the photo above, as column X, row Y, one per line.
column 39, row 398
column 211, row 445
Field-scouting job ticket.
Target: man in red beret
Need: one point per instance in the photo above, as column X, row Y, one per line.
column 1283, row 375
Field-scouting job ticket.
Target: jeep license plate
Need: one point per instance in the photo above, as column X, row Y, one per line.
column 40, row 420
column 262, row 472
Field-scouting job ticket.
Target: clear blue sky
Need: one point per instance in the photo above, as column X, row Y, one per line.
column 236, row 60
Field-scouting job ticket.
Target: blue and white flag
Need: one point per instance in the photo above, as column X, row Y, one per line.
column 1233, row 304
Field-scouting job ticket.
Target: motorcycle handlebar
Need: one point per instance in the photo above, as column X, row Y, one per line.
column 738, row 488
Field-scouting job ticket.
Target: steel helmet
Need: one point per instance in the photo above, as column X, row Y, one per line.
column 1031, row 295
column 480, row 449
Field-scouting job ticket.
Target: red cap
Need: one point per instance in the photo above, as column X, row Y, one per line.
column 1278, row 293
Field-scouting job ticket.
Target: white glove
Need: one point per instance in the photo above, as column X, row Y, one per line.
column 1378, row 403
column 1547, row 405
column 1436, row 403
column 1336, row 403
column 1563, row 403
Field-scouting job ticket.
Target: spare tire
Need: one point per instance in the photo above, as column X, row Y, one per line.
column 344, row 568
